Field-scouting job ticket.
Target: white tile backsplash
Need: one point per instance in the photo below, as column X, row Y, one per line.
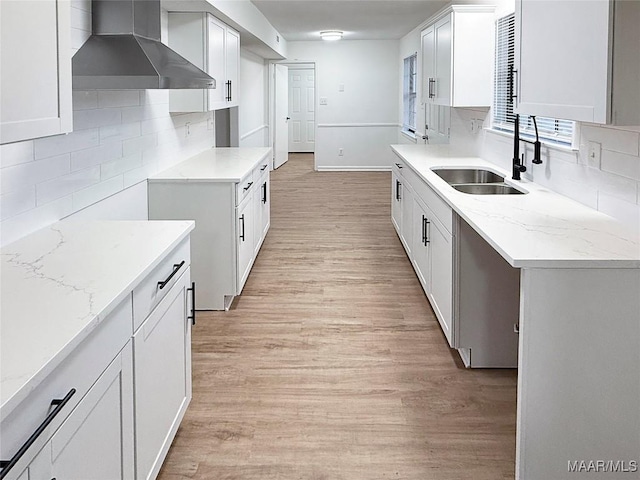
column 96, row 155
column 66, row 185
column 118, row 98
column 621, row 164
column 26, row 175
column 16, row 153
column 120, row 138
column 611, row 186
column 58, row 144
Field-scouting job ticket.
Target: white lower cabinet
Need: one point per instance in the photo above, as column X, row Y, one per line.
column 245, row 239
column 96, row 441
column 111, row 409
column 474, row 293
column 232, row 219
column 162, row 377
column 433, row 262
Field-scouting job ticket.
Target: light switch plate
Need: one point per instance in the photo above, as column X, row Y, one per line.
column 594, row 150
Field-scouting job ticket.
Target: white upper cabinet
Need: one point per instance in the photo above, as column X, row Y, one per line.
column 35, row 52
column 578, row 60
column 457, row 57
column 215, row 48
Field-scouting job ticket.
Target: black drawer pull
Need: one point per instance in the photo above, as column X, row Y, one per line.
column 192, row 317
column 7, row 465
column 264, row 167
column 248, row 186
column 176, row 267
column 398, row 165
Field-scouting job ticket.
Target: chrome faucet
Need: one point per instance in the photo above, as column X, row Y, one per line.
column 517, row 166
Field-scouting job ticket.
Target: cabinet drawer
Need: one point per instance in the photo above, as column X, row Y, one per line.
column 149, row 293
column 244, row 188
column 437, row 205
column 78, row 371
column 262, row 167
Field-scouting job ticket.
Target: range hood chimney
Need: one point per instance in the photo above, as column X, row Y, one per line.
column 125, row 52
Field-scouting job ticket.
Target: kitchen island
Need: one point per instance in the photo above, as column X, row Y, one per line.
column 579, row 317
column 82, row 315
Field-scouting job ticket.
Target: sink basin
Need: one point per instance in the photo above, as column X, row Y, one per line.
column 488, row 189
column 454, row 176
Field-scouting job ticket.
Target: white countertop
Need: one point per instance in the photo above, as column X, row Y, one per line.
column 541, row 229
column 215, row 165
column 59, row 283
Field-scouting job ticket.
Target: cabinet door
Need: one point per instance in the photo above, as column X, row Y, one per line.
column 162, row 378
column 428, row 64
column 245, row 240
column 421, row 248
column 35, row 59
column 555, row 76
column 263, row 211
column 232, row 47
column 396, row 202
column 443, row 54
column 406, row 227
column 441, row 295
column 96, row 441
column 216, row 61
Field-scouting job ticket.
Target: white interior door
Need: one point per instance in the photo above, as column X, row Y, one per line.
column 281, row 121
column 302, row 109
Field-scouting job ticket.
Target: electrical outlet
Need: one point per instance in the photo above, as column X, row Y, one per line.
column 323, row 100
column 341, row 87
column 340, row 152
column 187, row 129
column 210, row 123
column 594, row 150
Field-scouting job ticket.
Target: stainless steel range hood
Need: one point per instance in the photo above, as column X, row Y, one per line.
column 125, row 52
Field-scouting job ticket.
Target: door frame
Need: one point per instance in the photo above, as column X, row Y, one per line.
column 272, row 95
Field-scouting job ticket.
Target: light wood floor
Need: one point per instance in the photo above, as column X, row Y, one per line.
column 331, row 364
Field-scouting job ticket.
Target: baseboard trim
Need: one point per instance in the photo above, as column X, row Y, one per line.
column 352, row 168
column 352, row 125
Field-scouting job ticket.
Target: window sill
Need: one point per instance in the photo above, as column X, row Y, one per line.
column 411, row 136
column 551, row 145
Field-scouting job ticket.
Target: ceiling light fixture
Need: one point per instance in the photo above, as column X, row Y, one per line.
column 331, row 35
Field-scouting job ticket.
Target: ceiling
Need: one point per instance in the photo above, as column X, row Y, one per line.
column 360, row 19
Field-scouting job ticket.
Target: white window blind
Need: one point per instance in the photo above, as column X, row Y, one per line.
column 410, row 93
column 549, row 129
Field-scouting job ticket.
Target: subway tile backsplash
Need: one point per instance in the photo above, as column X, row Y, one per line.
column 119, row 139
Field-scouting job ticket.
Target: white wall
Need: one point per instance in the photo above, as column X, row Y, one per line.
column 611, row 185
column 252, row 111
column 362, row 120
column 120, row 138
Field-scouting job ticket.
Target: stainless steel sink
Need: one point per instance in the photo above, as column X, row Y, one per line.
column 487, row 189
column 456, row 176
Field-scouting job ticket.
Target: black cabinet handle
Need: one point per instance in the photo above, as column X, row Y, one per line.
column 192, row 317
column 7, row 465
column 176, row 267
column 398, row 165
column 228, row 90
column 264, row 167
column 512, row 82
column 242, row 220
column 248, row 186
column 264, row 192
column 425, row 226
column 398, row 190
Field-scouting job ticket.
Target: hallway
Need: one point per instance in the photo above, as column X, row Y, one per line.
column 331, row 364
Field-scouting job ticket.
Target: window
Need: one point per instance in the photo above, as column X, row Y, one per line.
column 550, row 130
column 409, row 94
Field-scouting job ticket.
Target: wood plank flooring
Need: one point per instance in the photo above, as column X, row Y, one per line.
column 331, row 365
